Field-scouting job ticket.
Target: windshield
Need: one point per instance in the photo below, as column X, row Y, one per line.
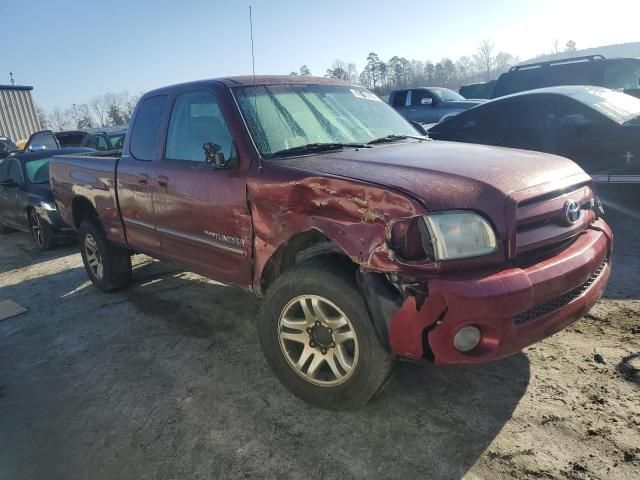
column 38, row 170
column 282, row 117
column 446, row 95
column 6, row 145
column 619, row 107
column 117, row 140
column 622, row 76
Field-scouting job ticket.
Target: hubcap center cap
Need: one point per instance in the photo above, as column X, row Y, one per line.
column 321, row 336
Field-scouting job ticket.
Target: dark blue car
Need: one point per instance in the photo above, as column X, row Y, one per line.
column 26, row 201
column 596, row 127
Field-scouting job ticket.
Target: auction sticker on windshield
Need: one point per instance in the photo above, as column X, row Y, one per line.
column 365, row 94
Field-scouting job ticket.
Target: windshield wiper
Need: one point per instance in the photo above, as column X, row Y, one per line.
column 315, row 148
column 395, row 138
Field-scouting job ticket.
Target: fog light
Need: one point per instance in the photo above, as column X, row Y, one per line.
column 467, row 338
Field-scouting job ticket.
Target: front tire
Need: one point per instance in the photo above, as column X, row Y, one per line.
column 318, row 338
column 107, row 265
column 41, row 231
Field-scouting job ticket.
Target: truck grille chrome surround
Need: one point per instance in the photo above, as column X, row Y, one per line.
column 557, row 303
column 542, row 222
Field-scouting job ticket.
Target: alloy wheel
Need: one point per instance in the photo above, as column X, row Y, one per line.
column 36, row 228
column 94, row 258
column 318, row 340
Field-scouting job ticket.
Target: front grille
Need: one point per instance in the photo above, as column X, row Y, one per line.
column 557, row 303
column 542, row 225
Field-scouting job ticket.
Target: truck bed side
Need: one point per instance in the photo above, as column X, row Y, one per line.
column 85, row 183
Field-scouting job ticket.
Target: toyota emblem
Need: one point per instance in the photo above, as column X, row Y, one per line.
column 572, row 211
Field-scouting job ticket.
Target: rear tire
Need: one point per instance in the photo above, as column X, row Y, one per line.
column 318, row 338
column 107, row 265
column 41, row 231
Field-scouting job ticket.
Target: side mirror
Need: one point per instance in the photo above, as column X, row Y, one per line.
column 214, row 157
column 426, row 101
column 9, row 183
column 420, row 128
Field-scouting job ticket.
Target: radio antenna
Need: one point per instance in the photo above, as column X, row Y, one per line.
column 253, row 59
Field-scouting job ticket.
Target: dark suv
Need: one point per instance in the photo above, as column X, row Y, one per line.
column 621, row 74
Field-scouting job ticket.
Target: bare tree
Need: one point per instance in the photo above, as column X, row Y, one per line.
column 556, row 47
column 99, row 108
column 43, row 118
column 338, row 70
column 129, row 104
column 58, row 120
column 484, row 58
column 571, row 46
column 503, row 61
column 352, row 72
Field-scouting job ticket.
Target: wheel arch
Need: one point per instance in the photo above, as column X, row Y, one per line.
column 82, row 208
column 299, row 248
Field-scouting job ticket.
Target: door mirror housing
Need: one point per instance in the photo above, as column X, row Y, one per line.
column 216, row 159
column 9, row 183
column 420, row 128
column 426, row 101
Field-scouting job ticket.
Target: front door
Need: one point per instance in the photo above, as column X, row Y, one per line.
column 202, row 215
column 423, row 107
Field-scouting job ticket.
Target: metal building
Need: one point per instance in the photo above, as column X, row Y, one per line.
column 18, row 117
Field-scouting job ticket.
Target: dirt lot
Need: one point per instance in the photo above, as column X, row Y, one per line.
column 166, row 381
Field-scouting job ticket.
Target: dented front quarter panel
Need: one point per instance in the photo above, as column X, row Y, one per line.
column 355, row 215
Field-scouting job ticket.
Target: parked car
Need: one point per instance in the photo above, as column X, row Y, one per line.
column 596, row 127
column 26, row 201
column 104, row 139
column 615, row 73
column 6, row 146
column 367, row 240
column 430, row 104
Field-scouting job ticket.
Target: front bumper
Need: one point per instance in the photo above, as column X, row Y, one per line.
column 513, row 308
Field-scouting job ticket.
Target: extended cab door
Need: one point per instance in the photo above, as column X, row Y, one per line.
column 202, row 215
column 399, row 102
column 422, row 107
column 136, row 173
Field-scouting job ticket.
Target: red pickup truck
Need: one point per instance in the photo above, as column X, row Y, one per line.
column 367, row 240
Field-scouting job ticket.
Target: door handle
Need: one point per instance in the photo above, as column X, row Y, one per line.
column 143, row 178
column 163, row 181
column 413, row 110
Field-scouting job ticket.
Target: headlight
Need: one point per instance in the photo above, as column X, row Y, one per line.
column 458, row 234
column 50, row 206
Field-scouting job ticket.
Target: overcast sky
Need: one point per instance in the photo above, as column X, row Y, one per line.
column 71, row 50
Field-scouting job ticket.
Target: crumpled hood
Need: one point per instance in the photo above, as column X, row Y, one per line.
column 444, row 175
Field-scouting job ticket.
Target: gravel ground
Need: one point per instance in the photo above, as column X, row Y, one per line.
column 166, row 381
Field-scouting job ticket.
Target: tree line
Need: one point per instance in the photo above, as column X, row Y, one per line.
column 109, row 109
column 485, row 64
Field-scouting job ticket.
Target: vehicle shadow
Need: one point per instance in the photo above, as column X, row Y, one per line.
column 622, row 215
column 438, row 419
column 18, row 250
column 168, row 377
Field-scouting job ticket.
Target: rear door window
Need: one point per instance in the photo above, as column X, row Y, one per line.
column 400, row 98
column 146, row 127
